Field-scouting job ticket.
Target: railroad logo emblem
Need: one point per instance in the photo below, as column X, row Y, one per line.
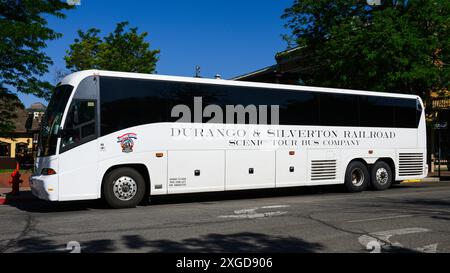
column 126, row 142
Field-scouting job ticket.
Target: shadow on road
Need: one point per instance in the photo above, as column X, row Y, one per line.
column 245, row 194
column 210, row 243
column 237, row 242
column 436, row 208
column 29, row 203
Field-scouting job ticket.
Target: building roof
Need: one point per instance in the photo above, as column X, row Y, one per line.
column 20, row 121
column 265, row 70
column 37, row 107
column 288, row 66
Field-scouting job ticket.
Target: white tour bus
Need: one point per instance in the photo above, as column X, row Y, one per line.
column 125, row 136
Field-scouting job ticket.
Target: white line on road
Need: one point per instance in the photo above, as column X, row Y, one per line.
column 275, row 207
column 252, row 212
column 380, row 218
column 254, row 215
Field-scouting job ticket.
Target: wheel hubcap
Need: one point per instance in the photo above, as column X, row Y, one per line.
column 124, row 188
column 357, row 177
column 382, row 176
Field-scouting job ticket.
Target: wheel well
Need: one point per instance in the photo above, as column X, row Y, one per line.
column 358, row 159
column 141, row 168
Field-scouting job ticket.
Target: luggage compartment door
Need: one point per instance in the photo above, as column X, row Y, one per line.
column 292, row 168
column 250, row 169
column 196, row 171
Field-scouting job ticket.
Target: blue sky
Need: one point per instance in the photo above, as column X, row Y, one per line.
column 229, row 38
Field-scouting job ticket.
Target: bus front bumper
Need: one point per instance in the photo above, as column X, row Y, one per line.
column 45, row 187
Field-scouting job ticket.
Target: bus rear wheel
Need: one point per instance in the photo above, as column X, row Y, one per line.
column 381, row 176
column 123, row 188
column 356, row 177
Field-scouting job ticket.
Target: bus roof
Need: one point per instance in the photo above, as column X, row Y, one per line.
column 74, row 78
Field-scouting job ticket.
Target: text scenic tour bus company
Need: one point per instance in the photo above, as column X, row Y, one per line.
column 126, row 136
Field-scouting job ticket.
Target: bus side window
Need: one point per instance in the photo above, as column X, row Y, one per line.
column 80, row 124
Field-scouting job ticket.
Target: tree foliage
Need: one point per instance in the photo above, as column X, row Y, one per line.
column 401, row 46
column 121, row 50
column 9, row 103
column 23, row 36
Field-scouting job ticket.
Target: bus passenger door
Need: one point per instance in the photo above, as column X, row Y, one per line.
column 78, row 156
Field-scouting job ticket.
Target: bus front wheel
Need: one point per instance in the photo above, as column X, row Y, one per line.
column 123, row 188
column 381, row 176
column 356, row 177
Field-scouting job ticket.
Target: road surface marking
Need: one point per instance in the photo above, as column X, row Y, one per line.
column 275, row 207
column 380, row 218
column 252, row 212
column 378, row 241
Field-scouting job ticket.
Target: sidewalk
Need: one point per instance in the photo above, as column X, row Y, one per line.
column 5, row 178
column 430, row 179
column 443, row 174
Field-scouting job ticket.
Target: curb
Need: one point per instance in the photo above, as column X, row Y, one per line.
column 413, row 181
column 427, row 179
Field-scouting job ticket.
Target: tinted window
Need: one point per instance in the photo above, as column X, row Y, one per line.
column 299, row 108
column 295, row 108
column 388, row 112
column 376, row 111
column 338, row 110
column 80, row 124
column 405, row 113
column 184, row 93
column 131, row 102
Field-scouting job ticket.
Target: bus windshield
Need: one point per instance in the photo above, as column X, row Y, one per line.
column 51, row 121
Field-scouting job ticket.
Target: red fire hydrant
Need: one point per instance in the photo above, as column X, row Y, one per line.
column 15, row 180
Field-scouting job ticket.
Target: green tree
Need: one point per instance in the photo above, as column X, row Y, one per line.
column 23, row 36
column 401, row 46
column 9, row 103
column 122, row 50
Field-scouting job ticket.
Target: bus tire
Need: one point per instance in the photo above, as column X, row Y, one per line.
column 356, row 177
column 381, row 176
column 123, row 188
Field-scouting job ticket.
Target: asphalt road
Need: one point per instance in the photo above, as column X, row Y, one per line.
column 408, row 217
